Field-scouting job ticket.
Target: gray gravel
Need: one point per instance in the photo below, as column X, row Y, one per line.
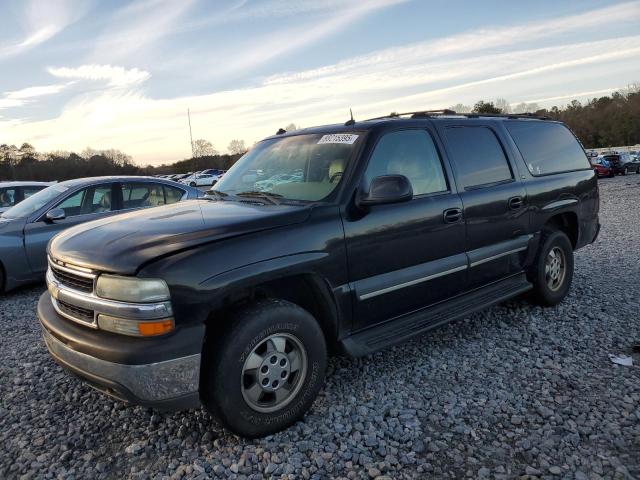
column 515, row 391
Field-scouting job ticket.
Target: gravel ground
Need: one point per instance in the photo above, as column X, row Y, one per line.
column 515, row 391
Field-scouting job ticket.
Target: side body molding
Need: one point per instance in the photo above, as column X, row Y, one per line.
column 397, row 279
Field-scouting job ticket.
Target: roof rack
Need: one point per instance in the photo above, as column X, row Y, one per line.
column 447, row 112
column 423, row 113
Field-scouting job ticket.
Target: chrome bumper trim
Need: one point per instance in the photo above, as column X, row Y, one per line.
column 89, row 301
column 153, row 382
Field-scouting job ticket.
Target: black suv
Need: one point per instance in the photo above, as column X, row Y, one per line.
column 346, row 239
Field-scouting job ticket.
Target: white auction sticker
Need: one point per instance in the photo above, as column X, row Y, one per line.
column 338, row 138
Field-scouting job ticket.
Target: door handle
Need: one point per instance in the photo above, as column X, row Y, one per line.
column 515, row 203
column 452, row 215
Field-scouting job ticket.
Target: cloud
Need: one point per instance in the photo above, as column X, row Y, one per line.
column 279, row 43
column 42, row 20
column 280, row 9
column 503, row 61
column 31, row 92
column 461, row 44
column 114, row 75
column 17, row 98
column 139, row 25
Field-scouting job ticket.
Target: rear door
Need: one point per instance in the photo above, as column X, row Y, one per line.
column 89, row 203
column 406, row 256
column 493, row 197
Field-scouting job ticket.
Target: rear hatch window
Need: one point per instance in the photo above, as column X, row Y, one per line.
column 547, row 147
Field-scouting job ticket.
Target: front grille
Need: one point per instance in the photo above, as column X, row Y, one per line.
column 72, row 280
column 77, row 313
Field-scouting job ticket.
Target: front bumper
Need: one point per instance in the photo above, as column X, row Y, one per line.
column 167, row 384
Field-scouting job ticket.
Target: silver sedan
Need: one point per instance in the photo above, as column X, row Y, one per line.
column 26, row 228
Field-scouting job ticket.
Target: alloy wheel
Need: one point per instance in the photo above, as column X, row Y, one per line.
column 555, row 268
column 273, row 373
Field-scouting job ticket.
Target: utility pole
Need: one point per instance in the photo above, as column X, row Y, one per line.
column 193, row 155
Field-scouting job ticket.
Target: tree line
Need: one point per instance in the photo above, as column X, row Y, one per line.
column 25, row 163
column 608, row 121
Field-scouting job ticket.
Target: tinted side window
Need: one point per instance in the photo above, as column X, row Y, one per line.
column 141, row 195
column 173, row 194
column 547, row 147
column 100, row 200
column 478, row 156
column 7, row 197
column 411, row 153
column 73, row 205
column 88, row 200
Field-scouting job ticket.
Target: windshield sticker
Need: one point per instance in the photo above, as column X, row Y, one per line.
column 345, row 138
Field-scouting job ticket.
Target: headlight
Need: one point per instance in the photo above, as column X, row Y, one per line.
column 132, row 289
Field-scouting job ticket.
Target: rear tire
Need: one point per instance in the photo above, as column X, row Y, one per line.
column 552, row 271
column 264, row 372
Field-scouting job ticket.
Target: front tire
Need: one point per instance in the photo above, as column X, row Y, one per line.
column 193, row 184
column 264, row 372
column 552, row 271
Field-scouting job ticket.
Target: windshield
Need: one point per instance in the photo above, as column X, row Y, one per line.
column 301, row 167
column 35, row 202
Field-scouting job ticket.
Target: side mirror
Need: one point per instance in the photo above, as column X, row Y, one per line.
column 386, row 189
column 55, row 214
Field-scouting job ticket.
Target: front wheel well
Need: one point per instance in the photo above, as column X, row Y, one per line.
column 305, row 290
column 566, row 222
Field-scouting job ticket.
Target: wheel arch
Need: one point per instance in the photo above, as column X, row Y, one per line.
column 566, row 222
column 308, row 290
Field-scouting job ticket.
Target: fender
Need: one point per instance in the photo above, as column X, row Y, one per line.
column 303, row 266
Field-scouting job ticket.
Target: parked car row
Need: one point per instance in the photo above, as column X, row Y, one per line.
column 611, row 164
column 205, row 178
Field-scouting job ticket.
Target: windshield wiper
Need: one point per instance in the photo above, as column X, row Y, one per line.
column 273, row 198
column 216, row 194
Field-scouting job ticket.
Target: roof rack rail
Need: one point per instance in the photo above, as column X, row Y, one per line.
column 505, row 115
column 437, row 113
column 423, row 113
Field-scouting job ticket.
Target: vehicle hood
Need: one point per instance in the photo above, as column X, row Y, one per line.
column 123, row 243
column 6, row 223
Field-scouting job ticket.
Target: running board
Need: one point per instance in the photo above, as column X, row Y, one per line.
column 400, row 329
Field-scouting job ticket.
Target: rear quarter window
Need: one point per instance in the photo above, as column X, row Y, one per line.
column 547, row 147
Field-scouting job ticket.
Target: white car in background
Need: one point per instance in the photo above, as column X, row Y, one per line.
column 200, row 180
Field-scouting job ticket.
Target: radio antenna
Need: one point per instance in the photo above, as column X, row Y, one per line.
column 351, row 121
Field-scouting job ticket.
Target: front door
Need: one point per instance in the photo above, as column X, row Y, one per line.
column 494, row 199
column 80, row 206
column 406, row 256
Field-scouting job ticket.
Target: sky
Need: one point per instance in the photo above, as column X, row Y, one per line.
column 118, row 74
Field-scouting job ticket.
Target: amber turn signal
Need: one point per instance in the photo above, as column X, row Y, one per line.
column 150, row 329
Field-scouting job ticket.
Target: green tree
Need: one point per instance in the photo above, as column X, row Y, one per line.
column 486, row 107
